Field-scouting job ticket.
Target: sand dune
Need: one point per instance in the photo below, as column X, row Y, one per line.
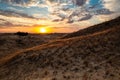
column 93, row 29
column 93, row 56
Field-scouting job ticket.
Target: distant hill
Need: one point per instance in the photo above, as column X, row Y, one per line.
column 90, row 57
column 93, row 29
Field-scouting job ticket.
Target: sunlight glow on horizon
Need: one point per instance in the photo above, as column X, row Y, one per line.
column 43, row 30
column 36, row 29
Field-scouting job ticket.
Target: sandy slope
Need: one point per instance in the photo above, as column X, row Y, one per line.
column 91, row 57
column 93, row 29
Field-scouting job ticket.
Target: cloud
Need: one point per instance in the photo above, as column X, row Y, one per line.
column 21, row 2
column 14, row 13
column 80, row 2
column 58, row 11
column 12, row 18
column 86, row 17
column 15, row 10
column 63, row 8
column 113, row 5
column 7, row 20
column 76, row 10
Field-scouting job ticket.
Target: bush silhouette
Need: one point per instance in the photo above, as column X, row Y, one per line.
column 21, row 33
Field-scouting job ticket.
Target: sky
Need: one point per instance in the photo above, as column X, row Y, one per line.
column 61, row 16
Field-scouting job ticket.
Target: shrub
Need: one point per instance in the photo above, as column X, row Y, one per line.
column 2, row 41
column 21, row 33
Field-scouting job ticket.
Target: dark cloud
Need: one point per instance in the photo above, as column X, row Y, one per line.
column 6, row 23
column 6, row 15
column 16, row 1
column 2, row 20
column 21, row 2
column 79, row 2
column 86, row 17
column 104, row 11
column 16, row 14
column 13, row 1
column 57, row 20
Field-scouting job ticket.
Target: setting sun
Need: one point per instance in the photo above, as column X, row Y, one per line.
column 43, row 30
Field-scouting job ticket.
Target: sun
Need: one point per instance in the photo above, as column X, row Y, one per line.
column 43, row 30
